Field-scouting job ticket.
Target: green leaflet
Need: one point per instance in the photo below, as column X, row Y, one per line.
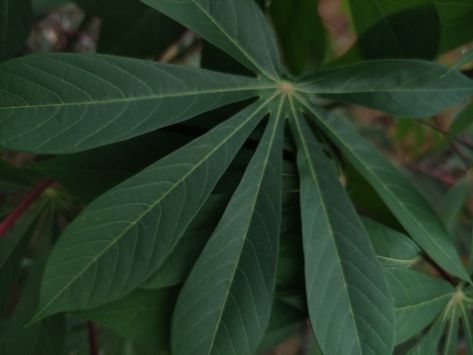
column 451, row 204
column 15, row 24
column 346, row 290
column 124, row 236
column 467, row 321
column 462, row 123
column 225, row 304
column 428, row 344
column 398, row 87
column 392, row 248
column 418, row 300
column 143, row 316
column 404, row 201
column 65, row 103
column 451, row 344
column 393, row 29
column 232, row 26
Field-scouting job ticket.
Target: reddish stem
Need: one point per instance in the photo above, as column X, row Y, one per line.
column 26, row 202
column 93, row 338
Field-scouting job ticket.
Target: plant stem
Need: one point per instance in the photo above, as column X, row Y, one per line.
column 93, row 338
column 26, row 202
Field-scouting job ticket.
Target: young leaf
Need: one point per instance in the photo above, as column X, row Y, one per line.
column 230, row 25
column 404, row 201
column 65, row 103
column 143, row 316
column 398, row 87
column 392, row 248
column 429, row 343
column 346, row 290
column 16, row 17
column 125, row 235
column 395, row 29
column 225, row 303
column 418, row 300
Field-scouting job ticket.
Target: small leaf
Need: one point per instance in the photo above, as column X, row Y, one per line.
column 418, row 300
column 404, row 201
column 124, row 236
column 398, row 87
column 64, row 103
column 230, row 25
column 346, row 289
column 225, row 303
column 15, row 26
column 392, row 248
column 143, row 316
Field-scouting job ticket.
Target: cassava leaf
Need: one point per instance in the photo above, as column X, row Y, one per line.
column 404, row 201
column 346, row 290
column 16, row 18
column 462, row 122
column 451, row 343
column 124, row 236
column 230, row 25
column 399, row 87
column 429, row 343
column 467, row 321
column 392, row 248
column 225, row 303
column 418, row 300
column 64, row 103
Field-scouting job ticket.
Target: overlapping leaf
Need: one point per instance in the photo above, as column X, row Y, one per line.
column 346, row 290
column 418, row 300
column 399, row 87
column 127, row 233
column 404, row 201
column 225, row 304
column 232, row 26
column 65, row 103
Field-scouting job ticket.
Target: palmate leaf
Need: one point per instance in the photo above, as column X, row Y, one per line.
column 418, row 300
column 346, row 290
column 399, row 87
column 230, row 25
column 65, row 103
column 225, row 303
column 126, row 234
column 404, row 201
